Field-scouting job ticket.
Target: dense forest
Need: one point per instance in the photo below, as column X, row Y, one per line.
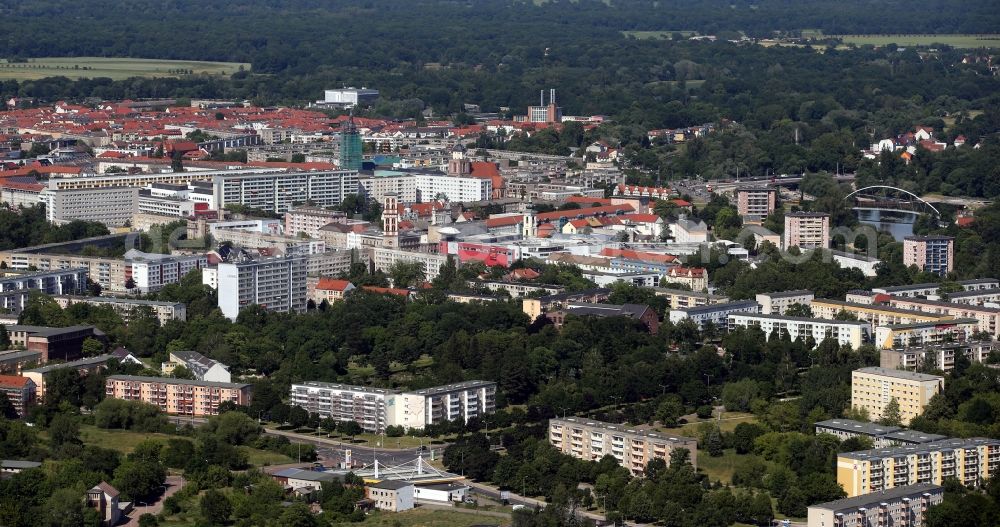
column 299, row 35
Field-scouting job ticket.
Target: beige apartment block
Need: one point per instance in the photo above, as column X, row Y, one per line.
column 178, row 396
column 633, row 449
column 873, row 389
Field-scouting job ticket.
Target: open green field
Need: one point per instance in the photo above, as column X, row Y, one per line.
column 719, row 468
column 958, row 41
column 726, row 424
column 115, row 68
column 643, row 35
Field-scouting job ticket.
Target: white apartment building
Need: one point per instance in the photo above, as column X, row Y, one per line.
column 901, row 506
column 452, row 402
column 276, row 284
column 778, row 303
column 386, row 257
column 717, row 314
column 150, row 272
column 849, row 332
column 125, row 307
column 164, row 206
column 113, row 206
column 344, row 402
column 376, row 186
column 452, row 188
column 16, row 290
column 279, row 192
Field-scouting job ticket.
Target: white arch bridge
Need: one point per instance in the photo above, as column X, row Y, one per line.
column 886, row 198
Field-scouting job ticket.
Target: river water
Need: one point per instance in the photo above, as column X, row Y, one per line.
column 897, row 223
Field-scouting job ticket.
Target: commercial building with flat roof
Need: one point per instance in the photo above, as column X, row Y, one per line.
column 112, row 206
column 54, row 343
column 901, row 506
column 971, row 461
column 178, row 396
column 591, row 440
column 873, row 388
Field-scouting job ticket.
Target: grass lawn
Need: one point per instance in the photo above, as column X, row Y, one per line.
column 115, row 68
column 426, row 518
column 727, row 424
column 958, row 41
column 719, row 468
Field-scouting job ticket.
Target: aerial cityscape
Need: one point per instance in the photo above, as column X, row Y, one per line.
column 427, row 263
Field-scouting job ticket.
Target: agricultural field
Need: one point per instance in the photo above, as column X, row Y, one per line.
column 958, row 41
column 114, row 68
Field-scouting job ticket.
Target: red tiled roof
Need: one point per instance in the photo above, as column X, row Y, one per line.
column 386, row 290
column 681, row 203
column 13, row 381
column 587, row 211
column 503, row 221
column 642, row 218
column 965, row 221
column 330, row 284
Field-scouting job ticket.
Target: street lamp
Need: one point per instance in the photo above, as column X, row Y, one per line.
column 524, row 486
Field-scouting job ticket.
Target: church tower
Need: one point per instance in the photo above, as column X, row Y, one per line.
column 390, row 221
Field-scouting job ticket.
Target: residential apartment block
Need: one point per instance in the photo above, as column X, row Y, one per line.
column 807, row 230
column 881, row 436
column 679, row 298
column 777, row 303
column 310, row 220
column 988, row 317
column 458, row 189
column 126, row 307
column 384, row 258
column 178, row 396
column 901, row 506
column 934, row 254
column 756, row 202
column 925, row 333
column 20, row 391
column 276, row 284
column 452, row 402
column 200, row 366
column 343, row 402
column 149, row 272
column 633, row 449
column 873, row 388
column 383, row 182
column 939, row 356
column 15, row 290
column 279, row 192
column 969, row 460
column 876, row 314
column 845, row 332
column 717, row 314
column 112, row 206
column 39, row 376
